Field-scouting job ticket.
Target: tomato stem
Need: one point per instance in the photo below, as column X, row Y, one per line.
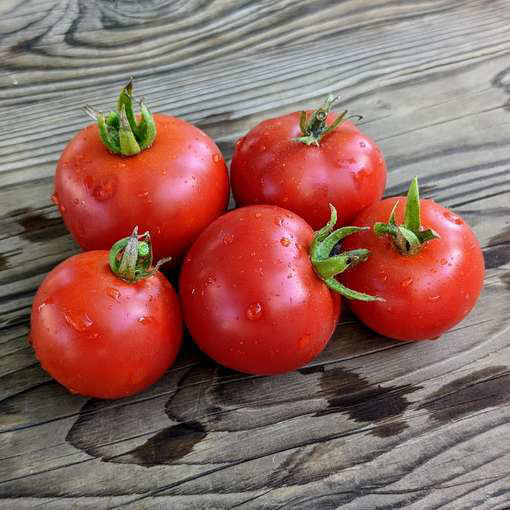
column 131, row 258
column 327, row 266
column 119, row 130
column 410, row 236
column 315, row 128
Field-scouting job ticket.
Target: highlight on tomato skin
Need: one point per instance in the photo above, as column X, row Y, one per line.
column 258, row 292
column 303, row 161
column 173, row 186
column 105, row 335
column 427, row 290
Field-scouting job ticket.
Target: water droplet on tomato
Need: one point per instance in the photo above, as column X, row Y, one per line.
column 407, row 282
column 145, row 195
column 55, row 199
column 228, row 239
column 41, row 306
column 303, row 341
column 383, row 275
column 80, row 321
column 362, row 145
column 254, row 311
column 263, row 147
column 88, row 181
column 76, row 201
column 432, row 299
column 113, row 293
column 258, row 215
column 284, row 241
column 146, row 320
column 216, row 158
column 453, row 218
column 62, row 208
column 443, row 262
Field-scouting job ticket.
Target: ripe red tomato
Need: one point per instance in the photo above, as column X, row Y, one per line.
column 345, row 168
column 250, row 295
column 173, row 189
column 101, row 336
column 425, row 293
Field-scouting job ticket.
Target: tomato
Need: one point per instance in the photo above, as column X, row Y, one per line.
column 273, row 164
column 427, row 292
column 101, row 336
column 173, row 189
column 252, row 297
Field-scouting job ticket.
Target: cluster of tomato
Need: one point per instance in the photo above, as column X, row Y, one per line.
column 259, row 289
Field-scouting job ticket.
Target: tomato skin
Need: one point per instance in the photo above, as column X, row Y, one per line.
column 250, row 296
column 346, row 170
column 174, row 189
column 426, row 294
column 100, row 336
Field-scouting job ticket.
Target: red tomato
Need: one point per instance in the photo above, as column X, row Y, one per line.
column 173, row 189
column 101, row 336
column 346, row 169
column 426, row 293
column 250, row 296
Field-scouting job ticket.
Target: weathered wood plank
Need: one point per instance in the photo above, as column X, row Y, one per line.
column 371, row 423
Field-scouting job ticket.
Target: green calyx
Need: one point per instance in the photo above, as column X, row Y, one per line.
column 327, row 266
column 131, row 258
column 119, row 130
column 313, row 129
column 410, row 236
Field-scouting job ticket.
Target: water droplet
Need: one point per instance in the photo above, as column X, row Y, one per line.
column 88, row 181
column 145, row 195
column 383, row 275
column 78, row 320
column 55, row 199
column 467, row 296
column 432, row 299
column 453, row 218
column 284, row 241
column 41, row 306
column 193, row 291
column 278, row 221
column 76, row 201
column 303, row 341
column 113, row 293
column 258, row 215
column 362, row 145
column 443, row 262
column 210, row 280
column 62, row 208
column 228, row 239
column 216, row 158
column 263, row 147
column 101, row 192
column 407, row 282
column 146, row 320
column 254, row 311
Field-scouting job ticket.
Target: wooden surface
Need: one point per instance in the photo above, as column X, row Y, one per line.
column 371, row 423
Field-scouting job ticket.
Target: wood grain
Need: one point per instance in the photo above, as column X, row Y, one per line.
column 369, row 424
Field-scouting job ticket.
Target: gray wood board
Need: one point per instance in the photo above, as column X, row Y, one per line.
column 369, row 424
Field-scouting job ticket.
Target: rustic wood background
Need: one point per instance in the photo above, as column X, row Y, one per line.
column 371, row 423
